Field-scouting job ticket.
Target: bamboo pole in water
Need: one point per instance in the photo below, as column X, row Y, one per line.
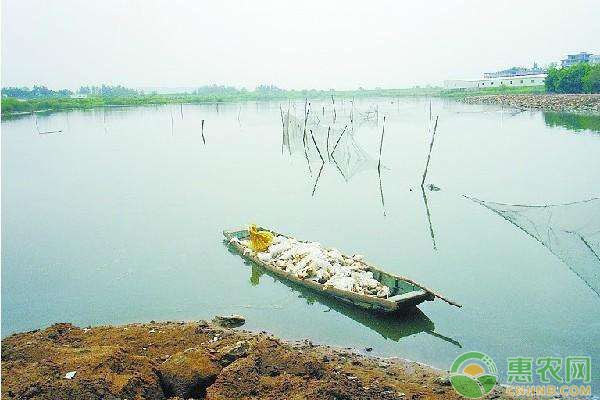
column 334, row 112
column 338, row 141
column 282, row 129
column 379, row 168
column 381, row 146
column 328, row 130
column 203, row 140
column 306, row 112
column 429, row 154
column 322, row 162
column 315, row 142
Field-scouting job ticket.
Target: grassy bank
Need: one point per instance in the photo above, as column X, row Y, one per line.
column 457, row 93
column 13, row 106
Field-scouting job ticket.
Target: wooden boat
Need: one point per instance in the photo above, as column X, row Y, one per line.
column 404, row 292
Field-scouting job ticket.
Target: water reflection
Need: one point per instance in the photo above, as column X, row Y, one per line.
column 574, row 122
column 428, row 213
column 570, row 231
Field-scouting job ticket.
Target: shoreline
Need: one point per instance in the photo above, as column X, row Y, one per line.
column 567, row 103
column 13, row 106
column 580, row 104
column 166, row 360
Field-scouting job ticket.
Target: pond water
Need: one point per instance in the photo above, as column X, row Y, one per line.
column 119, row 218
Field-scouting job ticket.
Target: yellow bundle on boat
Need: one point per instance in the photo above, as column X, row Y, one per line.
column 259, row 240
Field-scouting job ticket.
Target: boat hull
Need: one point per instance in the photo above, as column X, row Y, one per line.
column 397, row 303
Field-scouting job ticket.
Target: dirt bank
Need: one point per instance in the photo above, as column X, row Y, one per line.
column 580, row 103
column 200, row 360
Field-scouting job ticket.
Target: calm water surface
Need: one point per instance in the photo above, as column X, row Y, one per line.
column 119, row 219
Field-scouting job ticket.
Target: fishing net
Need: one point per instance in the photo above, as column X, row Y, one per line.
column 570, row 231
column 321, row 140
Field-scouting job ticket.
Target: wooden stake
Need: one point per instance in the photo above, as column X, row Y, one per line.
column 334, row 112
column 429, row 154
column 328, row 130
column 315, row 142
column 379, row 168
column 381, row 146
column 338, row 141
column 282, row 129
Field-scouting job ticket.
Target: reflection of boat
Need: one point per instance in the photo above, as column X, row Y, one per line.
column 570, row 231
column 391, row 326
column 404, row 293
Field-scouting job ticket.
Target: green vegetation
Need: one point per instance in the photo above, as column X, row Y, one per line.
column 207, row 94
column 579, row 78
column 11, row 105
column 108, row 91
column 37, row 92
column 458, row 93
column 42, row 92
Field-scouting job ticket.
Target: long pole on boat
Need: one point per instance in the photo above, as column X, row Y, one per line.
column 436, row 294
column 425, row 288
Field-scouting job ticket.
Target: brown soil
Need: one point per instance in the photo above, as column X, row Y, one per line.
column 200, row 360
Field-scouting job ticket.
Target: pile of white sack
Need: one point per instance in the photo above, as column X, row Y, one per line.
column 309, row 260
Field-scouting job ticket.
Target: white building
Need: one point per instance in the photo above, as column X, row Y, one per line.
column 482, row 83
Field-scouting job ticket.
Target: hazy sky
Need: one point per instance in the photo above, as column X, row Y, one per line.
column 292, row 44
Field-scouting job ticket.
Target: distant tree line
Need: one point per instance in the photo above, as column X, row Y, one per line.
column 578, row 78
column 231, row 90
column 108, row 91
column 37, row 92
column 216, row 89
column 25, row 100
column 42, row 92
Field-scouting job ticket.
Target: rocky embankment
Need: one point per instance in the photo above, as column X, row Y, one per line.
column 177, row 360
column 579, row 103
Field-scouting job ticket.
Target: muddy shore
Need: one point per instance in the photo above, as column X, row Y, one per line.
column 169, row 360
column 573, row 103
